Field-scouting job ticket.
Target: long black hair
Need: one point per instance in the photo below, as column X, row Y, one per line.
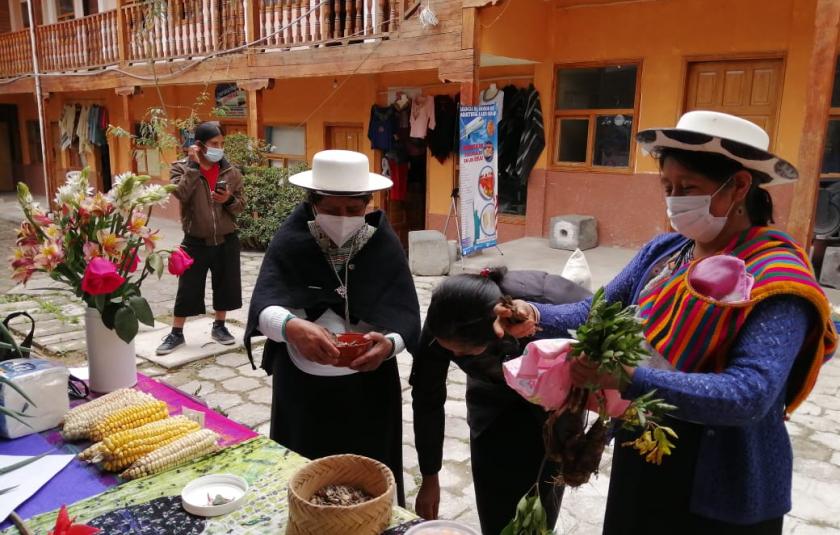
column 462, row 308
column 719, row 168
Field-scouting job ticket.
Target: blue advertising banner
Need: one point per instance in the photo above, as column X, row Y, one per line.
column 479, row 177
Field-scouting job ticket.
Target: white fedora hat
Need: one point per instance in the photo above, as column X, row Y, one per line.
column 721, row 133
column 340, row 172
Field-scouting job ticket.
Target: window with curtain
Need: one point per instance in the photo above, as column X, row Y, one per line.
column 595, row 116
column 831, row 151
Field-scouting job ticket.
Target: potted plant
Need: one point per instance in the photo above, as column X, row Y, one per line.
column 94, row 243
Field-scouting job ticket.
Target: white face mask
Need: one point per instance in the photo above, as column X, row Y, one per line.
column 339, row 228
column 213, row 154
column 690, row 216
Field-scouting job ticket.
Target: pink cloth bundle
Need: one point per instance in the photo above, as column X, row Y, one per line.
column 723, row 278
column 542, row 375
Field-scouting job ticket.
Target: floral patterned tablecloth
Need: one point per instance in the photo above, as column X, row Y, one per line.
column 152, row 505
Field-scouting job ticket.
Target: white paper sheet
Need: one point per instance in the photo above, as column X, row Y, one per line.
column 28, row 479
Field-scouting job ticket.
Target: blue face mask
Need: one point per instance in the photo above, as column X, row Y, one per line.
column 213, row 154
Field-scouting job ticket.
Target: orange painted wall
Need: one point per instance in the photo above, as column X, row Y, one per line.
column 29, row 172
column 664, row 36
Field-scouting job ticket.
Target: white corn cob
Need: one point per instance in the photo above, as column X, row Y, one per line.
column 119, row 450
column 174, row 454
column 78, row 421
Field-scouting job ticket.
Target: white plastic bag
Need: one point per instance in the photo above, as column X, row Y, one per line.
column 45, row 383
column 577, row 270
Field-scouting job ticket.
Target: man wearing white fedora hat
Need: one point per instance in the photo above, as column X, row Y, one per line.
column 738, row 328
column 332, row 269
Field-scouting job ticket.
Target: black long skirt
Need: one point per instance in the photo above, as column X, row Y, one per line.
column 507, row 459
column 361, row 413
column 650, row 499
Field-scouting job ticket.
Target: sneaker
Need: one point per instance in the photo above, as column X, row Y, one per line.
column 222, row 335
column 170, row 343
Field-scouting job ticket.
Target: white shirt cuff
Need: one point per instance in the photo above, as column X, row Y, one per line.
column 399, row 343
column 272, row 322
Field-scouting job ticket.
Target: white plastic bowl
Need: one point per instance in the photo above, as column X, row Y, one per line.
column 194, row 496
column 441, row 527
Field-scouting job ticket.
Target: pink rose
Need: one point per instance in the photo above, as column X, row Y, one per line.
column 101, row 277
column 179, row 262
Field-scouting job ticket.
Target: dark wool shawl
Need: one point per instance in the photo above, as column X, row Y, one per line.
column 296, row 274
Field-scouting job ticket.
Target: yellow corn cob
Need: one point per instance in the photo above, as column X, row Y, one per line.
column 129, row 418
column 78, row 421
column 174, row 454
column 91, row 453
column 122, row 449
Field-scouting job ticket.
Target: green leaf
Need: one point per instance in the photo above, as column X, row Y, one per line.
column 100, row 302
column 21, row 464
column 126, row 324
column 155, row 262
column 16, row 415
column 142, row 310
column 16, row 388
column 109, row 314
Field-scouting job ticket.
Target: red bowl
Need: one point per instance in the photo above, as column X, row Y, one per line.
column 350, row 347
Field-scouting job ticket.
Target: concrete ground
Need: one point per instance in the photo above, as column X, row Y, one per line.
column 225, row 380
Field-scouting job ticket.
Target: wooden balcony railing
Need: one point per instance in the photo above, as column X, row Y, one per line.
column 15, row 53
column 182, row 28
column 76, row 44
column 163, row 30
column 287, row 23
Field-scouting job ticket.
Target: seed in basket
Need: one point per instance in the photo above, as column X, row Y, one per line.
column 343, row 495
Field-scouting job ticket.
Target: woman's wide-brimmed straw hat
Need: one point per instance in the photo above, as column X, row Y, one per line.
column 721, row 133
column 340, row 173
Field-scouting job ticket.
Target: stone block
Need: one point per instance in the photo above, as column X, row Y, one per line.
column 570, row 232
column 830, row 274
column 428, row 253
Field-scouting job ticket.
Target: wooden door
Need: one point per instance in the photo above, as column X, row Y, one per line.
column 748, row 89
column 344, row 137
column 6, row 160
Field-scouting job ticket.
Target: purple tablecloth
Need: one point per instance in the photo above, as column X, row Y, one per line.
column 75, row 482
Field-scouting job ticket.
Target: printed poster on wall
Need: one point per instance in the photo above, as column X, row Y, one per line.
column 232, row 99
column 478, row 177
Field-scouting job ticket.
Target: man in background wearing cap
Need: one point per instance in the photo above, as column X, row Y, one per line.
column 211, row 194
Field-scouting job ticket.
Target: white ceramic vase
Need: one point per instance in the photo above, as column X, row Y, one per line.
column 111, row 362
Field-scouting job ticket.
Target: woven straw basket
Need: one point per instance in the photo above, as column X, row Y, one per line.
column 369, row 518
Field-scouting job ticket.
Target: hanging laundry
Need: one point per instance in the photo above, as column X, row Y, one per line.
column 399, row 176
column 492, row 95
column 101, row 137
column 532, row 142
column 92, row 124
column 382, row 128
column 422, row 116
column 81, row 130
column 446, row 123
column 510, row 131
column 67, row 126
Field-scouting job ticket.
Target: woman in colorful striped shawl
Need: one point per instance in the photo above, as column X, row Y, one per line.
column 733, row 366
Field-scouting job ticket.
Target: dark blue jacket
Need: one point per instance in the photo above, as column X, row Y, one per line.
column 745, row 461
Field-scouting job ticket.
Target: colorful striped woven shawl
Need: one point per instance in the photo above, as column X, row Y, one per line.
column 694, row 333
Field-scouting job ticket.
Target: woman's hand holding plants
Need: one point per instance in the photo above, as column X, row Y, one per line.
column 517, row 318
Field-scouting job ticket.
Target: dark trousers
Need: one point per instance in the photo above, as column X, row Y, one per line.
column 507, row 459
column 655, row 500
column 223, row 263
column 359, row 413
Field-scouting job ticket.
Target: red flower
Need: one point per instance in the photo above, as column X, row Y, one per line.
column 101, row 277
column 179, row 262
column 134, row 261
column 64, row 525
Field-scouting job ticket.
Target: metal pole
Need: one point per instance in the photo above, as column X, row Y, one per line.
column 41, row 115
